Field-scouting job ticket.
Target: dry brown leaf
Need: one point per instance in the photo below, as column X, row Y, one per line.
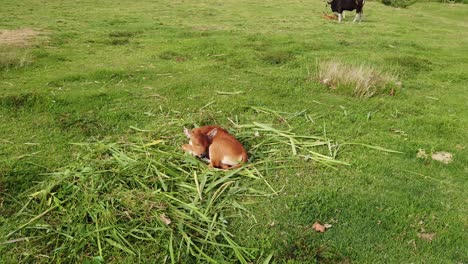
column 165, row 219
column 426, row 236
column 318, row 227
column 329, row 17
column 443, row 156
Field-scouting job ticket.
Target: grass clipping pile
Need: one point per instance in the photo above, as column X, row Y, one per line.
column 118, row 200
column 124, row 196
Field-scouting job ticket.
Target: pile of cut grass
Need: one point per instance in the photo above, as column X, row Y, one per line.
column 361, row 81
column 115, row 198
column 123, row 195
column 301, row 145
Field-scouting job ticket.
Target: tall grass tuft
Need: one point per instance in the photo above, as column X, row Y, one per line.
column 14, row 58
column 361, row 81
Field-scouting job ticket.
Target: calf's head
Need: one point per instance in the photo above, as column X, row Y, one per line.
column 200, row 142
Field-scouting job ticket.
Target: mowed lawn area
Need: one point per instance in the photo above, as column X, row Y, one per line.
column 123, row 78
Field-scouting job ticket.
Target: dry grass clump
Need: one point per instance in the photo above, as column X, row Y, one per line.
column 14, row 58
column 14, row 44
column 18, row 37
column 365, row 81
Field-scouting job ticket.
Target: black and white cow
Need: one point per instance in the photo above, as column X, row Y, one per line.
column 338, row 6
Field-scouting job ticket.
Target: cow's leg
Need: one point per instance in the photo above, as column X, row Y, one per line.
column 357, row 17
column 339, row 17
column 360, row 16
column 344, row 15
column 359, row 12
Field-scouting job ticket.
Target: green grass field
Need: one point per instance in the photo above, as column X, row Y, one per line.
column 101, row 73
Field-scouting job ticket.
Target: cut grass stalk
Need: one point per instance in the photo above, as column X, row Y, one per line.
column 31, row 221
column 12, row 241
column 199, row 191
column 229, row 93
column 98, row 238
column 373, row 147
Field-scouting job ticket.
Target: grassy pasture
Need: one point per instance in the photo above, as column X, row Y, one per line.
column 138, row 71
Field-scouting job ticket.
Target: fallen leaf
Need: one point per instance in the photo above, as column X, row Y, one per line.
column 426, row 236
column 165, row 219
column 327, row 226
column 318, row 227
column 421, row 154
column 329, row 17
column 460, row 147
column 442, row 156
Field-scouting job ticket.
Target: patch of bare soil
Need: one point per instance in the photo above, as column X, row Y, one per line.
column 17, row 37
column 427, row 236
column 442, row 156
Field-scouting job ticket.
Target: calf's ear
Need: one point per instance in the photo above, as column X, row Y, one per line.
column 187, row 132
column 212, row 133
